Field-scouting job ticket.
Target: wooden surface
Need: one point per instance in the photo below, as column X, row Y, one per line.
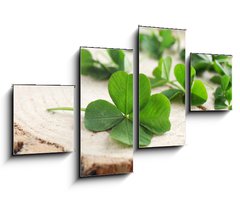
column 35, row 129
column 100, row 155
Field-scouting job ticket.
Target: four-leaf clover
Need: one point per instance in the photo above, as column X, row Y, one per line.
column 117, row 118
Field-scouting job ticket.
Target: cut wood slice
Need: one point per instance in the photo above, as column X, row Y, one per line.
column 35, row 129
column 103, row 165
column 100, row 155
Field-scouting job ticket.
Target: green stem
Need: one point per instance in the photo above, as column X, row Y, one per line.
column 209, row 85
column 229, row 107
column 60, row 108
column 63, row 108
column 103, row 66
column 229, row 102
column 175, row 85
column 157, row 84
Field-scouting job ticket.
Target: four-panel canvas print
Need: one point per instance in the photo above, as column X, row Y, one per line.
column 112, row 110
column 43, row 120
column 106, row 101
column 210, row 82
column 161, row 87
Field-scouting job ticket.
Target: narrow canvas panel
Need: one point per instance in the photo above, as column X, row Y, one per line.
column 43, row 119
column 161, row 87
column 210, row 84
column 106, row 101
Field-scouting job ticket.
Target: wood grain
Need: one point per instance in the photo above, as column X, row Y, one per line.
column 35, row 129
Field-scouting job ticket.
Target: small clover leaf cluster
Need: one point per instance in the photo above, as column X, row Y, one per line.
column 221, row 67
column 155, row 44
column 98, row 70
column 223, row 94
column 161, row 76
column 220, row 64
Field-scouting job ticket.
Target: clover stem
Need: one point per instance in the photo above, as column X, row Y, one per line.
column 103, row 66
column 63, row 108
column 60, row 108
column 175, row 85
column 229, row 104
column 209, row 85
column 127, row 116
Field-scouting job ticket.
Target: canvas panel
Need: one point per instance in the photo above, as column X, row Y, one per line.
column 161, row 66
column 210, row 87
column 106, row 101
column 36, row 129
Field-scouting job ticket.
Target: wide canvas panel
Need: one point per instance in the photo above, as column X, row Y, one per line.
column 106, row 101
column 161, row 66
column 43, row 120
column 210, row 82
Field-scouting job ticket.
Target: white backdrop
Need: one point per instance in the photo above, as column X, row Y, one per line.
column 38, row 42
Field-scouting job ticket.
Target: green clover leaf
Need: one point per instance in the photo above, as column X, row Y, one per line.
column 101, row 115
column 155, row 115
column 198, row 93
column 179, row 72
column 123, row 132
column 120, row 88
